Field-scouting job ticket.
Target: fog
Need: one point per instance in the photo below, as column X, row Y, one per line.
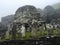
column 8, row 7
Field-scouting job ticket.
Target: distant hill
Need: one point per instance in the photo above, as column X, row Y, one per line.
column 56, row 6
column 7, row 19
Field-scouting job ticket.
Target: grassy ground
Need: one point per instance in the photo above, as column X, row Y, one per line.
column 38, row 34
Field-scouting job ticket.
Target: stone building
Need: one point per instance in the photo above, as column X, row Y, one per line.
column 26, row 13
column 26, row 17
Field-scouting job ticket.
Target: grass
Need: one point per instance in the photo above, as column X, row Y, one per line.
column 38, row 34
column 56, row 32
column 28, row 35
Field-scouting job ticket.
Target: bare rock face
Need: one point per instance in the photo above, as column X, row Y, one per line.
column 26, row 13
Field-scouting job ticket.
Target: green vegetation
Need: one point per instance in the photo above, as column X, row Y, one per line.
column 38, row 35
column 28, row 35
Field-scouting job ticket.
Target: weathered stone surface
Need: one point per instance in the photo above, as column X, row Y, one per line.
column 26, row 13
column 27, row 16
column 23, row 31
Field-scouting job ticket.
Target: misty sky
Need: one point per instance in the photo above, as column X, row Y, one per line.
column 8, row 7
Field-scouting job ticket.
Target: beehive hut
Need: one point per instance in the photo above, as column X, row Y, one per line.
column 25, row 16
column 26, row 13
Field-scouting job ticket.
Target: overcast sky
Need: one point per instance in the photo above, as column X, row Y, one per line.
column 8, row 7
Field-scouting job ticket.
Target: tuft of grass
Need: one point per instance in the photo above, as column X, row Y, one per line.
column 28, row 35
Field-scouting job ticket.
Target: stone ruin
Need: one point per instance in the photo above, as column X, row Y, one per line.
column 27, row 18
